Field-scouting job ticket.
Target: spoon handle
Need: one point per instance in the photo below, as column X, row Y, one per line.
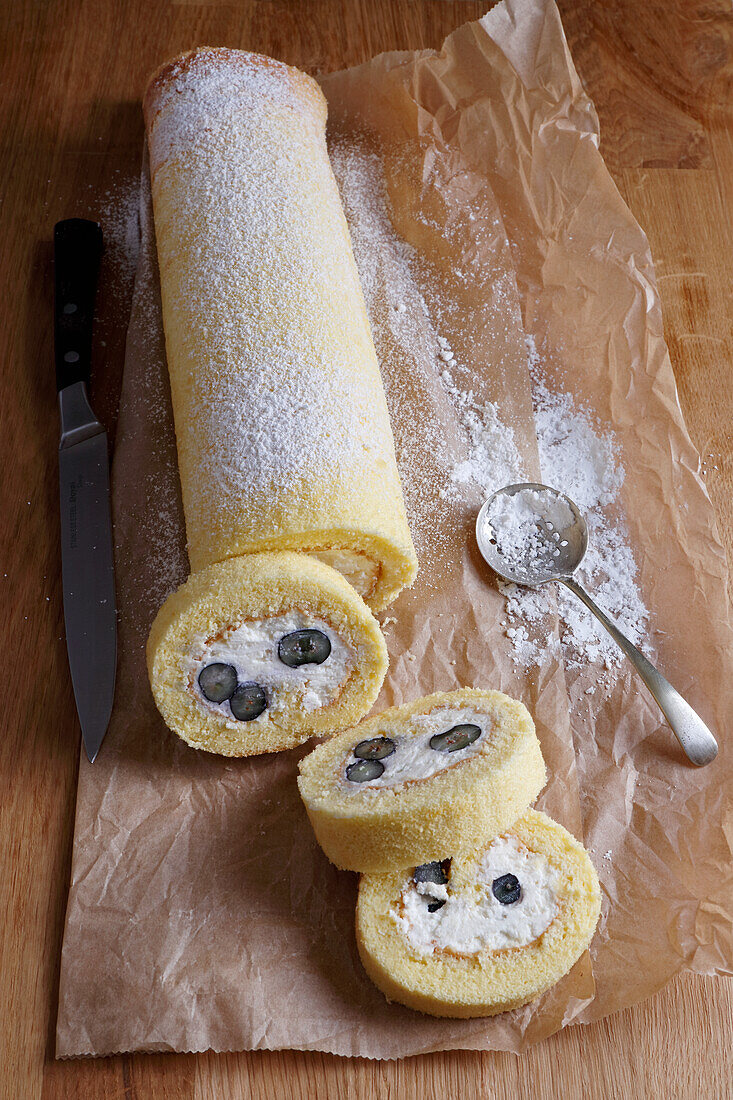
column 696, row 740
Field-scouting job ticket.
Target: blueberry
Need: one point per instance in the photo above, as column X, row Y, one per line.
column 304, row 647
column 437, row 872
column 248, row 702
column 364, row 770
column 376, row 748
column 456, row 738
column 433, row 872
column 506, row 889
column 217, row 682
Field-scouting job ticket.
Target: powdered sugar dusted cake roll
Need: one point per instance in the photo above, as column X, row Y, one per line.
column 260, row 652
column 284, row 440
column 422, row 781
column 485, row 931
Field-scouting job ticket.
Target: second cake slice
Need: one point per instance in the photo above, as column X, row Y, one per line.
column 422, row 781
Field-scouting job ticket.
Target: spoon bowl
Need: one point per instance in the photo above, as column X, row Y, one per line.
column 559, row 550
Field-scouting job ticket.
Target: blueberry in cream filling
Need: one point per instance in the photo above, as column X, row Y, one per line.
column 369, row 755
column 248, row 702
column 375, row 748
column 434, row 742
column 252, row 670
column 362, row 771
column 217, row 681
column 304, row 647
column 506, row 889
column 511, row 902
column 456, row 738
column 430, row 880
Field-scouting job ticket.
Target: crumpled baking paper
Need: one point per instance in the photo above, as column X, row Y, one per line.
column 201, row 914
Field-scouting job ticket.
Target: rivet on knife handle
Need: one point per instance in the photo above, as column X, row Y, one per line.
column 77, row 252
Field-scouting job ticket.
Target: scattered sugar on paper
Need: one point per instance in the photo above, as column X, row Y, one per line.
column 118, row 212
column 119, row 217
column 408, row 307
column 577, row 455
column 158, row 550
column 580, row 458
column 493, row 460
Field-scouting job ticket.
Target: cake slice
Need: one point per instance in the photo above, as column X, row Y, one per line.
column 422, row 781
column 259, row 653
column 485, row 931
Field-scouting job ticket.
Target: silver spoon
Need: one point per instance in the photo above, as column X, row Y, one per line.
column 556, row 559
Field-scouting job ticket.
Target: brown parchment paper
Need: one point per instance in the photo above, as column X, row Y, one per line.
column 201, row 913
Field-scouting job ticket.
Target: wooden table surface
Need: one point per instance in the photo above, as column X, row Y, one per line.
column 72, row 76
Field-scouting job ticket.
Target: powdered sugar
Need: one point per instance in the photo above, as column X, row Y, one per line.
column 527, row 528
column 186, row 101
column 493, row 459
column 408, row 305
column 578, row 456
column 581, row 459
column 158, row 551
column 119, row 217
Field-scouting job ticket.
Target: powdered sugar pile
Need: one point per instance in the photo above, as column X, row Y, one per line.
column 576, row 457
column 581, row 458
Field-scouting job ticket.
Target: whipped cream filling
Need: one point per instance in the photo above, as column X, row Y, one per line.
column 472, row 919
column 359, row 570
column 413, row 758
column 252, row 648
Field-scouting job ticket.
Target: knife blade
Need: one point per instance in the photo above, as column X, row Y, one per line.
column 90, row 611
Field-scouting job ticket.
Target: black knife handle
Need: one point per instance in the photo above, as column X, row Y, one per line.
column 77, row 249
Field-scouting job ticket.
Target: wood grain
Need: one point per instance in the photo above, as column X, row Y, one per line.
column 72, row 76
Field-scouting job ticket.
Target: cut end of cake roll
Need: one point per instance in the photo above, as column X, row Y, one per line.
column 257, row 654
column 488, row 930
column 421, row 781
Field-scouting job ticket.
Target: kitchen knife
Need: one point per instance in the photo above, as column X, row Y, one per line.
column 90, row 611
